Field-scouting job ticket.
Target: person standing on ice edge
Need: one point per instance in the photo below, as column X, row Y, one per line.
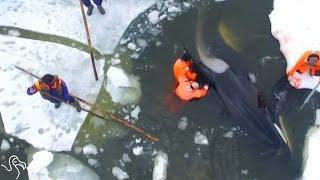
column 187, row 88
column 88, row 4
column 55, row 87
column 308, row 62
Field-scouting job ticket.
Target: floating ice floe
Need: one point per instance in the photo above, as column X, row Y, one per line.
column 311, row 156
column 137, row 150
column 63, row 17
column 183, row 123
column 119, row 173
column 46, row 165
column 5, row 146
column 296, row 32
column 160, row 166
column 201, row 139
column 122, row 87
column 228, row 134
column 126, row 158
column 30, row 117
column 90, row 149
column 154, row 16
column 135, row 113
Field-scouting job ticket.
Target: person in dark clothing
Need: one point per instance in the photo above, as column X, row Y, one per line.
column 53, row 89
column 88, row 4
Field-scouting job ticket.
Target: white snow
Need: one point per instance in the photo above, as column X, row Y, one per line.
column 119, row 173
column 26, row 116
column 40, row 161
column 90, row 149
column 154, row 16
column 135, row 113
column 122, row 87
column 160, row 166
column 201, row 139
column 5, row 146
column 137, row 150
column 63, row 167
column 311, row 156
column 297, row 32
column 63, row 17
column 126, row 158
column 228, row 134
column 183, row 123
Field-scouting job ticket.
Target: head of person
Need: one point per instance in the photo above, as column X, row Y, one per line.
column 185, row 56
column 313, row 59
column 195, row 85
column 48, row 79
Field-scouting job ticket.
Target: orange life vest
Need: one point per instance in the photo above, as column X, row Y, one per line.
column 302, row 64
column 186, row 92
column 40, row 86
column 182, row 68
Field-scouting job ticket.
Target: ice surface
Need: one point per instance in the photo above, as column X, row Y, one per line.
column 63, row 167
column 160, row 166
column 30, row 117
column 63, row 17
column 5, row 146
column 119, row 173
column 137, row 150
column 135, row 113
column 40, row 161
column 90, row 149
column 201, row 139
column 154, row 16
column 296, row 33
column 311, row 156
column 183, row 123
column 122, row 87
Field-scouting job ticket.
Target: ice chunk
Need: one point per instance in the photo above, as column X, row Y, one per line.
column 63, row 167
column 119, row 173
column 126, row 158
column 153, row 16
column 201, row 139
column 122, row 87
column 14, row 33
column 59, row 127
column 90, row 149
column 106, row 30
column 187, row 5
column 137, row 150
column 40, row 161
column 160, row 166
column 135, row 113
column 173, row 9
column 142, row 42
column 5, row 146
column 132, row 46
column 228, row 134
column 92, row 162
column 183, row 123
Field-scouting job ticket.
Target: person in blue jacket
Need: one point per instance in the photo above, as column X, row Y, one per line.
column 54, row 89
column 90, row 6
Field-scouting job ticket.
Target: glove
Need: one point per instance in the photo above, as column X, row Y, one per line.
column 206, row 86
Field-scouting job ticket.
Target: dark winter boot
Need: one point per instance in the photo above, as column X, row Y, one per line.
column 57, row 105
column 89, row 11
column 101, row 10
column 77, row 105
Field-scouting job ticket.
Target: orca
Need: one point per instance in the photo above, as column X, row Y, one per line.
column 241, row 98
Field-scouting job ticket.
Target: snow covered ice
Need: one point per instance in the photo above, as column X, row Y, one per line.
column 296, row 33
column 65, row 19
column 160, row 166
column 46, row 165
column 30, row 117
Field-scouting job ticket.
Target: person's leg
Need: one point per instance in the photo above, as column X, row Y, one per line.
column 100, row 8
column 89, row 6
column 75, row 104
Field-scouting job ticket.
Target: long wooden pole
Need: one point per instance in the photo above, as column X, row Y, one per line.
column 93, row 106
column 89, row 40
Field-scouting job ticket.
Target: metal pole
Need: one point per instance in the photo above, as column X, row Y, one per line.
column 89, row 40
column 310, row 95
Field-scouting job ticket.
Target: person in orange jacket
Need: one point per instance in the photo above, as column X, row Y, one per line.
column 309, row 61
column 187, row 88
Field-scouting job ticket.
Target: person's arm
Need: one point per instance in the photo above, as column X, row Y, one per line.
column 65, row 92
column 31, row 90
column 199, row 93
